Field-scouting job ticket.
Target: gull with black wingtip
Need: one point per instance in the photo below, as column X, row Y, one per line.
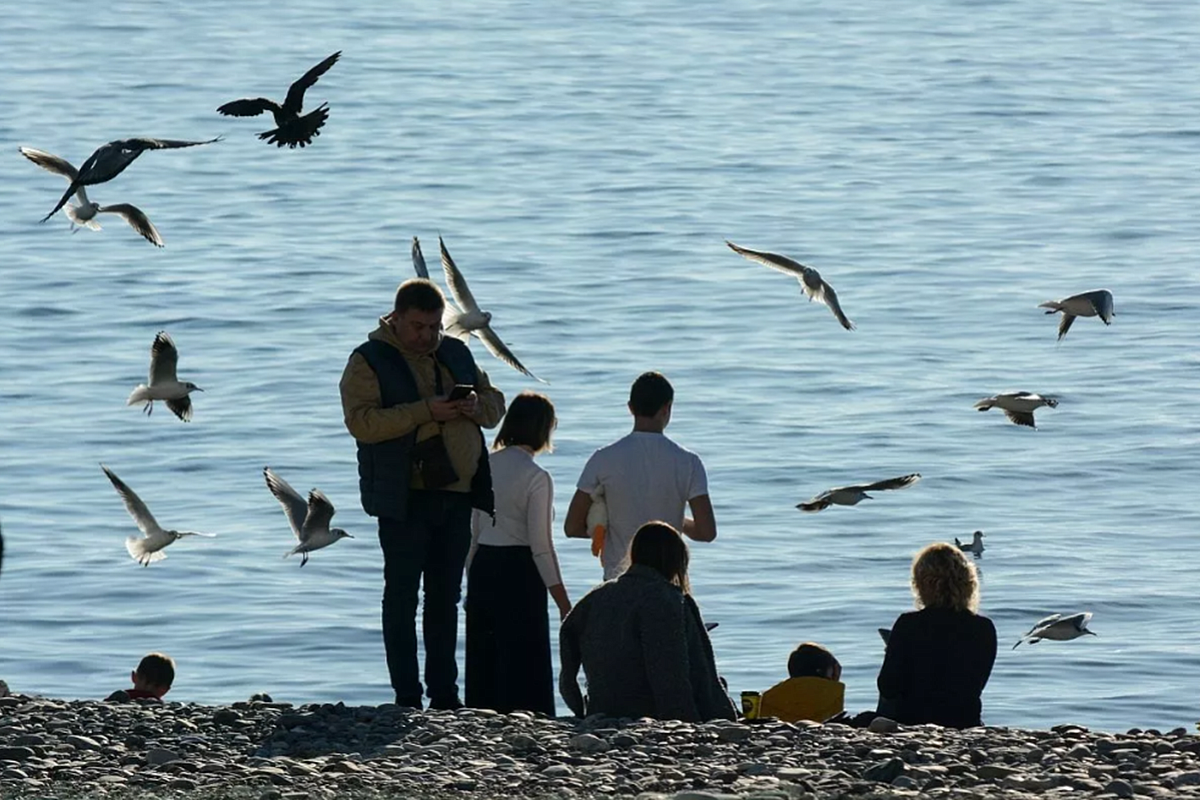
column 309, row 521
column 852, row 495
column 810, row 280
column 148, row 548
column 162, row 383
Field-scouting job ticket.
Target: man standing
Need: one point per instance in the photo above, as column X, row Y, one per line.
column 645, row 477
column 422, row 467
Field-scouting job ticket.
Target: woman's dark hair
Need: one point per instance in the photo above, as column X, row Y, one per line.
column 658, row 545
column 649, row 393
column 421, row 294
column 529, row 421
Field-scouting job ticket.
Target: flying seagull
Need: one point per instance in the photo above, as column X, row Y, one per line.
column 974, row 547
column 309, row 521
column 468, row 318
column 1058, row 628
column 149, row 548
column 810, row 280
column 290, row 128
column 111, row 159
column 1096, row 303
column 85, row 213
column 419, row 260
column 1017, row 406
column 851, row 495
column 162, row 384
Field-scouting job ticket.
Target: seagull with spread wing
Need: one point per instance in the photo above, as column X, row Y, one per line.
column 461, row 322
column 148, row 548
column 852, row 495
column 418, row 259
column 309, row 521
column 162, row 383
column 111, row 159
column 85, row 213
column 1017, row 406
column 290, row 128
column 1096, row 303
column 1058, row 628
column 810, row 280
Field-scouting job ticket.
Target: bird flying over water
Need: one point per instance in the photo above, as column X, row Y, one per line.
column 85, row 213
column 290, row 128
column 974, row 547
column 419, row 260
column 162, row 383
column 111, row 159
column 851, row 495
column 1017, row 406
column 1058, row 628
column 1096, row 303
column 468, row 318
column 309, row 521
column 810, row 280
column 148, row 548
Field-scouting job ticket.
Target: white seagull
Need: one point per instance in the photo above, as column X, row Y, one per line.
column 309, row 521
column 149, row 548
column 974, row 547
column 468, row 318
column 85, row 213
column 1017, row 406
column 813, row 284
column 162, row 383
column 1058, row 628
column 851, row 495
column 1096, row 303
column 418, row 259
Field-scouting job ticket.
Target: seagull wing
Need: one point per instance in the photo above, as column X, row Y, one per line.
column 320, row 512
column 293, row 504
column 1079, row 620
column 1020, row 417
column 419, row 260
column 819, row 502
column 1045, row 622
column 497, row 348
column 145, row 143
column 891, row 483
column 163, row 359
column 295, row 95
column 181, row 408
column 772, row 260
column 829, row 297
column 48, row 161
column 137, row 220
column 1064, row 324
column 134, row 505
column 457, row 283
column 248, row 107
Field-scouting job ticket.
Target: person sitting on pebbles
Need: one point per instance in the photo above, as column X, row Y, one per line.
column 151, row 680
column 813, row 691
column 641, row 642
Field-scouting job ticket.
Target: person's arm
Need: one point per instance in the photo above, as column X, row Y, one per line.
column 702, row 525
column 663, row 640
column 575, row 525
column 986, row 654
column 539, row 520
column 569, row 661
column 891, row 682
column 362, row 406
column 485, row 406
column 475, row 523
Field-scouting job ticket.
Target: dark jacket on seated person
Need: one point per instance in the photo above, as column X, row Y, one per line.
column 644, row 650
column 938, row 661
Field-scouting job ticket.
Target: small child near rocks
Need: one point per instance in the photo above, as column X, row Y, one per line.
column 813, row 690
column 151, row 680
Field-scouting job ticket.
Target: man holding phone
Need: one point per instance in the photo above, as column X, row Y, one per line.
column 415, row 403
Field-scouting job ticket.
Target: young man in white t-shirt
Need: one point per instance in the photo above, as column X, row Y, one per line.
column 645, row 477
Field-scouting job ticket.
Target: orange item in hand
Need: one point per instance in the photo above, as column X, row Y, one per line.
column 598, row 532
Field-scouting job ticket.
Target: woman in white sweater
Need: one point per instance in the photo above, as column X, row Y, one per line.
column 511, row 567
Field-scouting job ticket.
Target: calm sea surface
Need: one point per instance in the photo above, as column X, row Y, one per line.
column 946, row 165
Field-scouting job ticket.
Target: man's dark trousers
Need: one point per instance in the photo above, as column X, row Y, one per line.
column 432, row 543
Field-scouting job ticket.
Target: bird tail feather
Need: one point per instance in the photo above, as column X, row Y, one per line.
column 139, row 395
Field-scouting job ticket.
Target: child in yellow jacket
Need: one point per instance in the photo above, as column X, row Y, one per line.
column 813, row 690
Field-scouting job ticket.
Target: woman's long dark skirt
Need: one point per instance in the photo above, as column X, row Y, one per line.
column 508, row 633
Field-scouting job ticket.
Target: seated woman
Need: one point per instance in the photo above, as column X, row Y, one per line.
column 813, row 690
column 939, row 658
column 641, row 641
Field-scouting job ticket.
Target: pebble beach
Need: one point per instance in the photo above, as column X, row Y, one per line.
column 276, row 751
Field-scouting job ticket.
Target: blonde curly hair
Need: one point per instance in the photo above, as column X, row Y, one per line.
column 942, row 577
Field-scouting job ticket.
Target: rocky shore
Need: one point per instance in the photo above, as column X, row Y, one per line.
column 273, row 751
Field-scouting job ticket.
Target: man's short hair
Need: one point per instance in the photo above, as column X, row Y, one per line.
column 157, row 670
column 649, row 393
column 421, row 294
column 810, row 660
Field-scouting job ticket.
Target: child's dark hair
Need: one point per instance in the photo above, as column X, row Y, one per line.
column 810, row 660
column 157, row 670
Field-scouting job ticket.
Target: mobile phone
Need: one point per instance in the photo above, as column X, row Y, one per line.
column 708, row 626
column 460, row 391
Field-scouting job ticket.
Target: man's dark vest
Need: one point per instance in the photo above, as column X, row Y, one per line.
column 384, row 469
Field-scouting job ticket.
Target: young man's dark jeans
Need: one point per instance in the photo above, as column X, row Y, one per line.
column 431, row 544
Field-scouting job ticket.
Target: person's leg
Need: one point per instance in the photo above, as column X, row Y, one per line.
column 449, row 542
column 481, row 680
column 404, row 550
column 523, row 632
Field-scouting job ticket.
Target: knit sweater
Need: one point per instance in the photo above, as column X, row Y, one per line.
column 645, row 653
